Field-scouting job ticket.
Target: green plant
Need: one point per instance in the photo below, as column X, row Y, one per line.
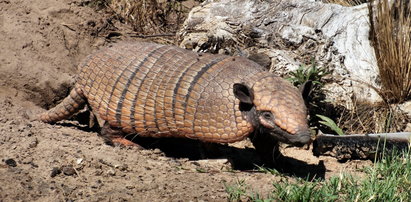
column 267, row 170
column 306, row 73
column 318, row 108
column 331, row 124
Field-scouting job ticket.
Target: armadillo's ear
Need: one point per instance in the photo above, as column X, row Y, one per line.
column 306, row 88
column 243, row 93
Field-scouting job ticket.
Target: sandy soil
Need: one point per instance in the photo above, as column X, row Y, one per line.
column 41, row 43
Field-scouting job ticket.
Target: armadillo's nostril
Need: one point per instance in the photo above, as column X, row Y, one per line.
column 303, row 137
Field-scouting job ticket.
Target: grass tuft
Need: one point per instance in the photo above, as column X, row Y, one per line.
column 306, row 73
column 236, row 191
column 346, row 3
column 390, row 33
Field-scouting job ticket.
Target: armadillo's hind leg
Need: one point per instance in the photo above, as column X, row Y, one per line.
column 115, row 136
column 69, row 106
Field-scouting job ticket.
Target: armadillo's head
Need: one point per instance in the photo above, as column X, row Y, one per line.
column 276, row 107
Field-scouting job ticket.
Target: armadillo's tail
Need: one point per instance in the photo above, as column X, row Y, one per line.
column 70, row 105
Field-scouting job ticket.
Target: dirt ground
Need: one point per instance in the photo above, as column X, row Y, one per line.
column 42, row 41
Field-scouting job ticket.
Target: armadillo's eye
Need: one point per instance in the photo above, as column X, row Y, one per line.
column 267, row 115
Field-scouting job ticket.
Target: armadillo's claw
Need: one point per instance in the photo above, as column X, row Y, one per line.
column 121, row 141
column 115, row 137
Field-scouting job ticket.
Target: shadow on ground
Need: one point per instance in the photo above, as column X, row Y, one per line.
column 243, row 159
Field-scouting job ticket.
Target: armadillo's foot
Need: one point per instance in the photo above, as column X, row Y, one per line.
column 115, row 137
column 121, row 141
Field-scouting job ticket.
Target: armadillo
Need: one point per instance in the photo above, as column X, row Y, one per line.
column 164, row 91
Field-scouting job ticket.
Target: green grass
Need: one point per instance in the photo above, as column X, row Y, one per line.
column 331, row 124
column 236, row 191
column 387, row 180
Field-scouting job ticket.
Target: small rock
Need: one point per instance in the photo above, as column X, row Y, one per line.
column 14, row 122
column 3, row 120
column 91, row 23
column 33, row 143
column 261, row 59
column 68, row 170
column 79, row 161
column 98, row 172
column 111, row 172
column 408, row 128
column 34, row 165
column 157, row 151
column 195, row 163
column 27, row 160
column 123, row 167
column 211, row 163
column 55, row 171
column 98, row 184
column 406, row 107
column 11, row 162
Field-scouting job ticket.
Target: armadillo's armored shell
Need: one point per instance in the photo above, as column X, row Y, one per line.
column 157, row 90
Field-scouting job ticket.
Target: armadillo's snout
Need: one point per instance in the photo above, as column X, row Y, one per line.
column 301, row 138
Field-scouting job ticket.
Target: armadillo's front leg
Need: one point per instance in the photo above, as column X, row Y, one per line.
column 267, row 148
column 115, row 137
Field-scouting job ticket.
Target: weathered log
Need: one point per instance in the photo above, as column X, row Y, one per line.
column 285, row 34
column 367, row 146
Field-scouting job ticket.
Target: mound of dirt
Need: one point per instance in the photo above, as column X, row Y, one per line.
column 43, row 41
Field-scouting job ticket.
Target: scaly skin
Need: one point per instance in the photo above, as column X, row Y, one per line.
column 163, row 91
